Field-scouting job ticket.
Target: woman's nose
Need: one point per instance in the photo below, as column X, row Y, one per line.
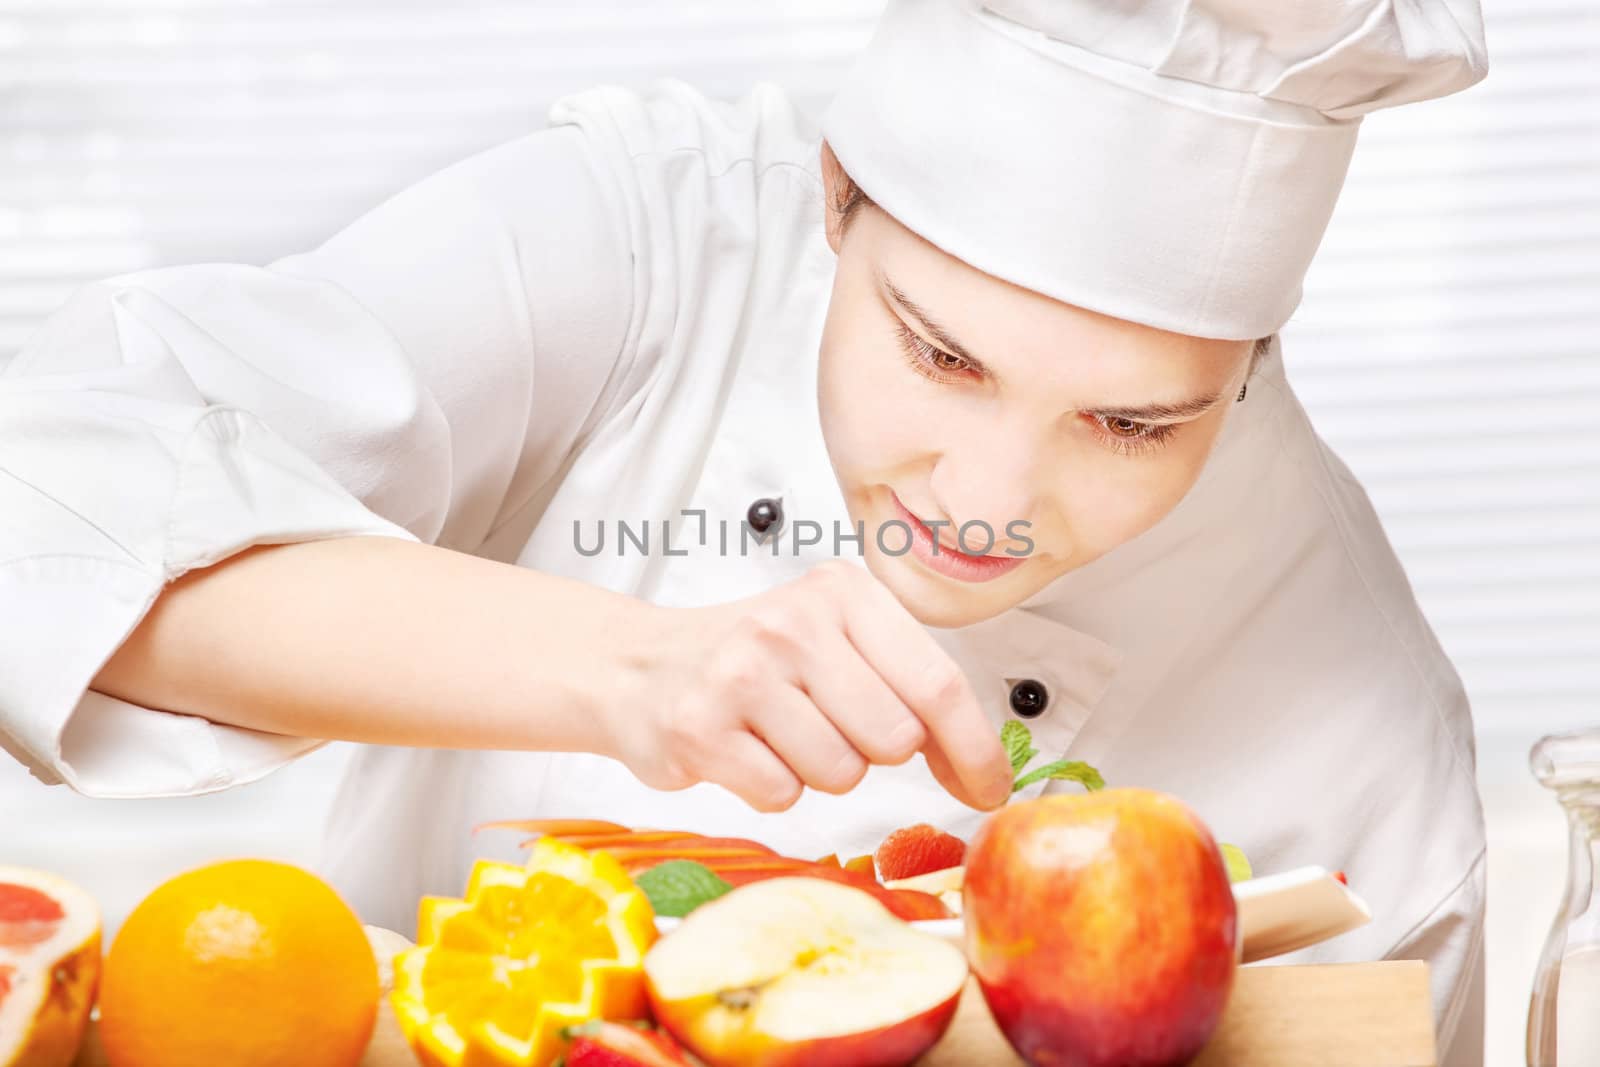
column 988, row 488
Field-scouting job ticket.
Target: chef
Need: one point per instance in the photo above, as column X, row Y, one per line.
column 686, row 465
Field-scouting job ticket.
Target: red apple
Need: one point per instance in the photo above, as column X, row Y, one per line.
column 1101, row 928
column 800, row 972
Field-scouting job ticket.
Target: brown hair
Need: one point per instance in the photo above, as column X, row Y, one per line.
column 853, row 199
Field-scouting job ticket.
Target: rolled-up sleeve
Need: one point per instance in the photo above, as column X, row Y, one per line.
column 382, row 385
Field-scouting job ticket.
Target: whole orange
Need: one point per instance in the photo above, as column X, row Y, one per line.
column 247, row 963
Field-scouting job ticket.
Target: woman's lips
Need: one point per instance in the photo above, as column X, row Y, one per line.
column 942, row 559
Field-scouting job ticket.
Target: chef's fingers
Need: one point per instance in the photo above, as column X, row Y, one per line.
column 929, row 682
column 804, row 738
column 750, row 770
column 869, row 714
column 946, row 776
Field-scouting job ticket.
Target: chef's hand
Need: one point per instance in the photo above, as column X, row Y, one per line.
column 805, row 685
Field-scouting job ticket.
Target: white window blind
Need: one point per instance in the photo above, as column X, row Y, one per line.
column 1449, row 348
column 1449, row 343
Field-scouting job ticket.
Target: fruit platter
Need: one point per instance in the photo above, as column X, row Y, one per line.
column 1095, row 928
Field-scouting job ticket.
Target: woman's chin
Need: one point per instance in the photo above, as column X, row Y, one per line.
column 948, row 603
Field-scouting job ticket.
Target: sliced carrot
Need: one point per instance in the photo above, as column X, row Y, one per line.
column 668, row 839
column 737, row 860
column 732, row 842
column 756, row 863
column 751, row 865
column 556, row 827
column 708, row 845
column 638, row 837
column 706, row 855
column 716, row 864
column 725, row 867
column 760, row 874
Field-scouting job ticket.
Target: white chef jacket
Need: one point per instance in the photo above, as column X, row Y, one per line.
column 618, row 318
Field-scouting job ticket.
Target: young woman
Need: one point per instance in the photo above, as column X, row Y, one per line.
column 959, row 409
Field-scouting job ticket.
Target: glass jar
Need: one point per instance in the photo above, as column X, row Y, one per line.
column 1564, row 1014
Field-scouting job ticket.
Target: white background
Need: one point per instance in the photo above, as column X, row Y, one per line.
column 1447, row 345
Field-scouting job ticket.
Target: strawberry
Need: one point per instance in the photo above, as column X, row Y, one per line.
column 917, row 850
column 607, row 1044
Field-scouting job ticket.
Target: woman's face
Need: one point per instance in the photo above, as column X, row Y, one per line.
column 955, row 404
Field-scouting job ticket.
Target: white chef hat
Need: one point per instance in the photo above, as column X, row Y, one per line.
column 1172, row 162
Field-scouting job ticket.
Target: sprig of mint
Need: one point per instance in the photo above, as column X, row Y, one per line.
column 1070, row 770
column 1018, row 742
column 677, row 887
column 1019, row 745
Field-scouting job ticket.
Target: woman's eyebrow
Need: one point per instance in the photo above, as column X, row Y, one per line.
column 1184, row 409
column 927, row 322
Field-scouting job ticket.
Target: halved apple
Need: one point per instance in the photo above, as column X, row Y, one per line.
column 802, row 971
column 935, row 882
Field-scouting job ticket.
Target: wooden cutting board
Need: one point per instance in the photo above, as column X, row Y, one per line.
column 1343, row 1015
column 1346, row 1015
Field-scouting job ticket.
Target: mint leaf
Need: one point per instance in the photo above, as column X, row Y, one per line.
column 597, row 1027
column 1019, row 745
column 1238, row 865
column 677, row 887
column 1071, row 770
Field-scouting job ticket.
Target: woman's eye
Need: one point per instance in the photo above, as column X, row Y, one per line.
column 1129, row 436
column 931, row 362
